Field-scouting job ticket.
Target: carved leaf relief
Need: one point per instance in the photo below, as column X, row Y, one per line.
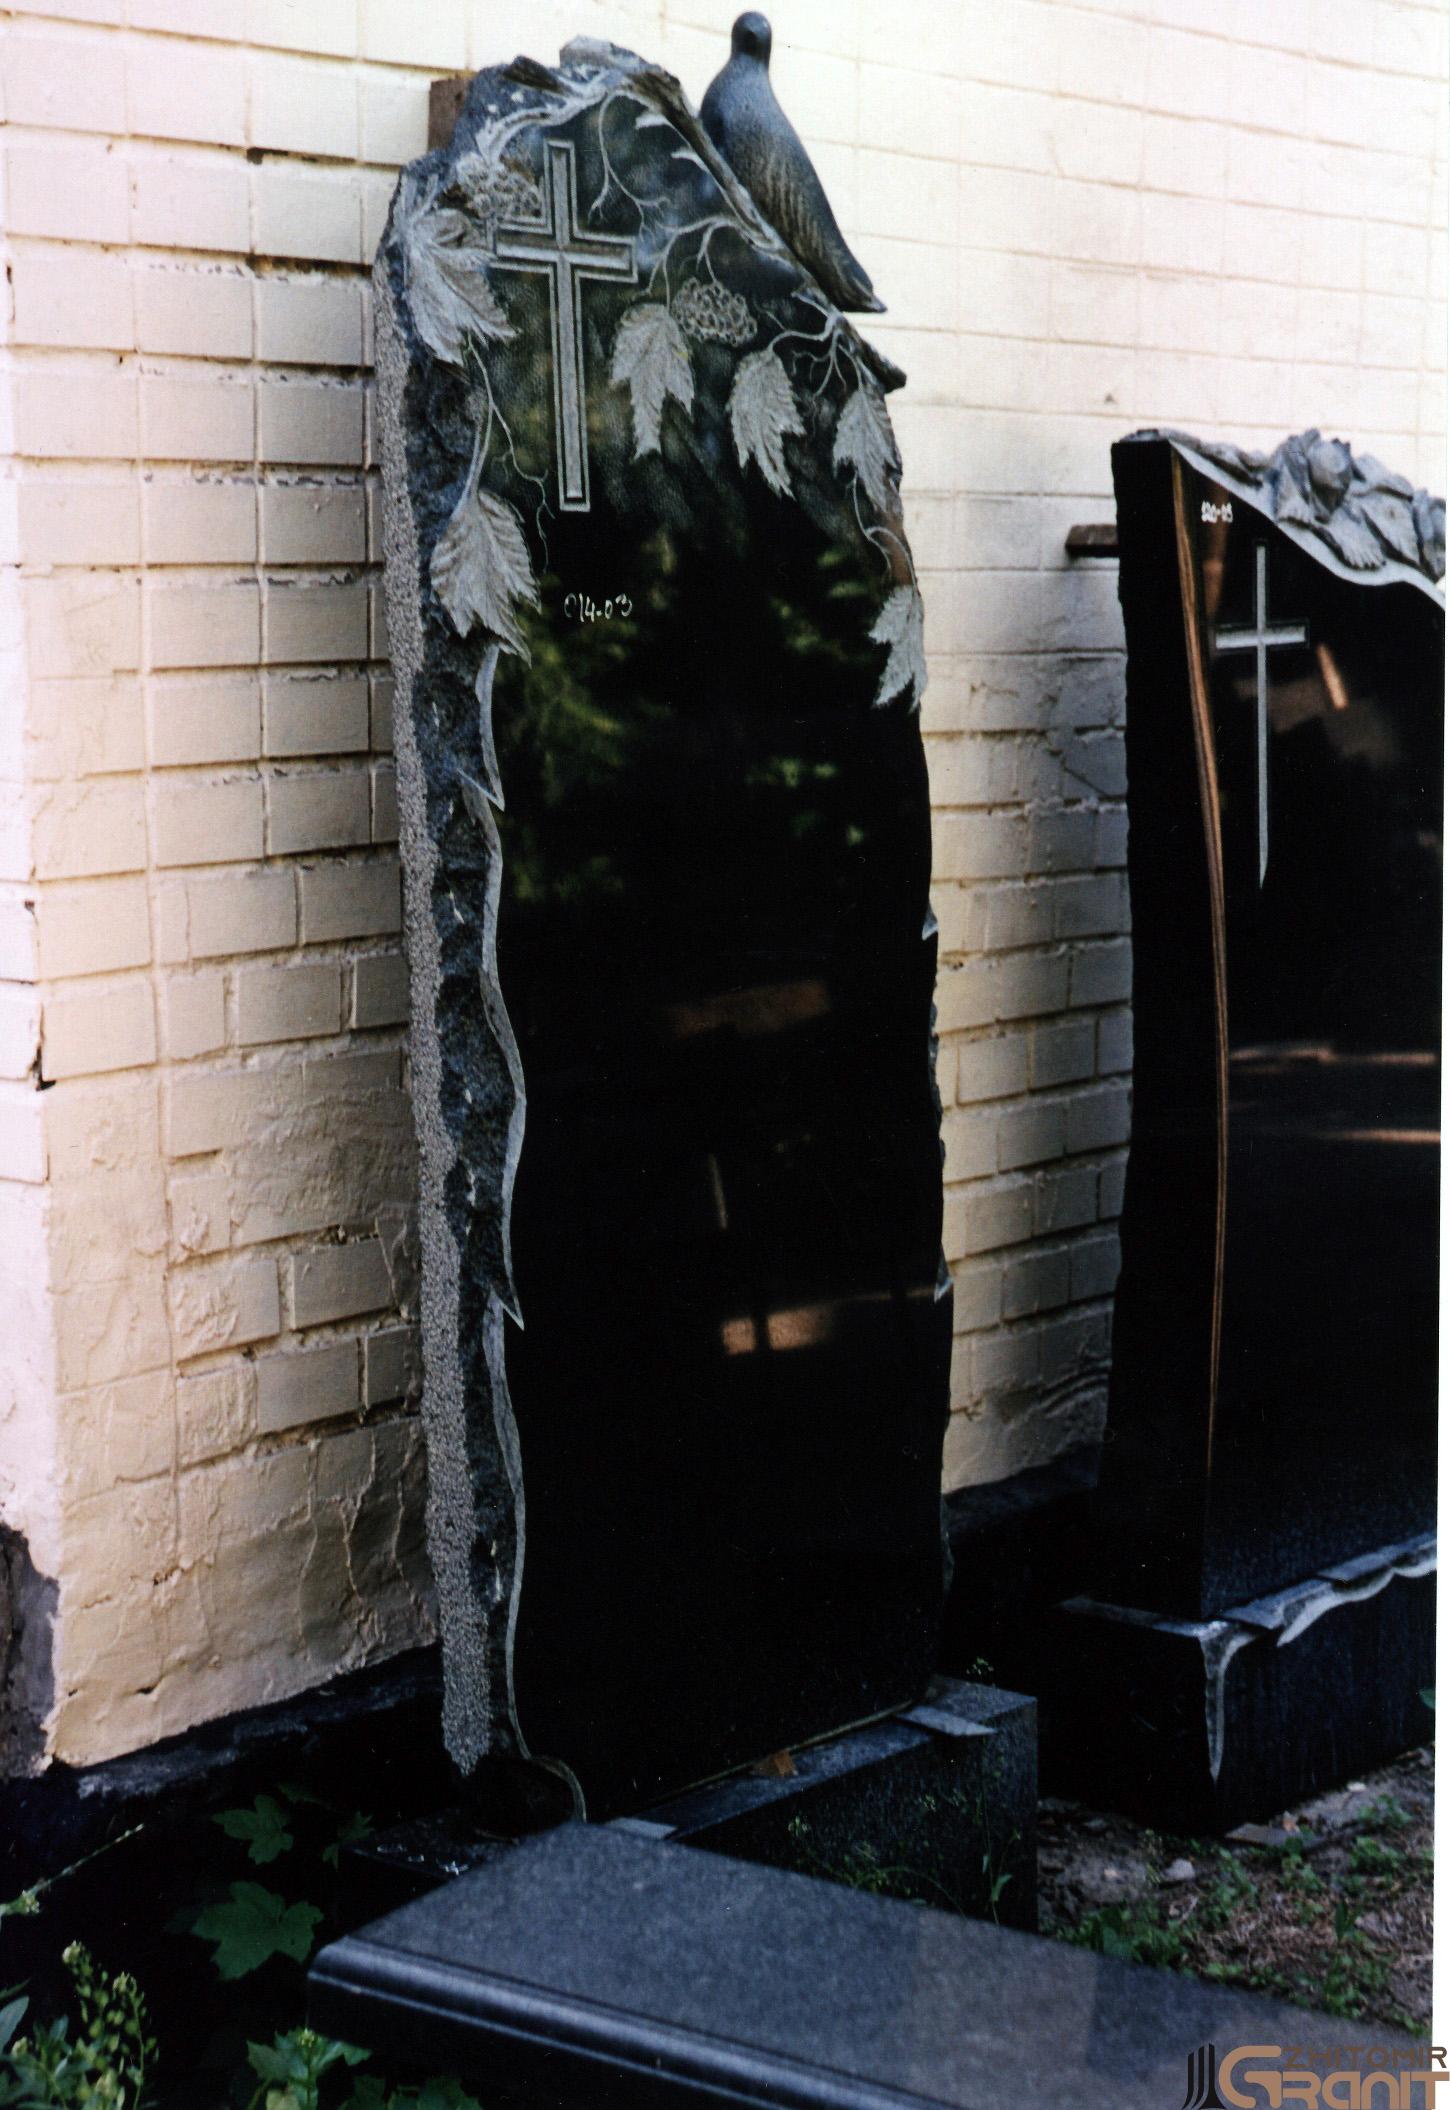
column 481, row 569
column 449, row 295
column 762, row 411
column 900, row 625
column 864, row 442
column 652, row 359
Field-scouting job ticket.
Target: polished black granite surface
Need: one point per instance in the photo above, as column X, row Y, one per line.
column 590, row 1968
column 667, row 851
column 1273, row 1394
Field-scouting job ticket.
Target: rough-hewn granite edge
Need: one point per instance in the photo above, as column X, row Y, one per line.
column 477, row 1625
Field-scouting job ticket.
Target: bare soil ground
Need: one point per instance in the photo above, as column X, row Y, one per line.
column 1328, row 1906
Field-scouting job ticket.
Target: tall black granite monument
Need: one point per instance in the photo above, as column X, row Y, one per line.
column 1262, row 1592
column 658, row 642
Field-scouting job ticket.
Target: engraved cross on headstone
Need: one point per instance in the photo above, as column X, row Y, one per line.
column 566, row 254
column 1260, row 637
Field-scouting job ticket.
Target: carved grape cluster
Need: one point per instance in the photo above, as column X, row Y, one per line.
column 706, row 309
column 500, row 190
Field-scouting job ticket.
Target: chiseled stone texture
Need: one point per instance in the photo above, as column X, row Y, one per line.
column 1082, row 221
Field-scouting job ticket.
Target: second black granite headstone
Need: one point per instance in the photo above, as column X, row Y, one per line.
column 658, row 644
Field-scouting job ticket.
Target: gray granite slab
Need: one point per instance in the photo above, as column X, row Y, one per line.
column 595, row 1966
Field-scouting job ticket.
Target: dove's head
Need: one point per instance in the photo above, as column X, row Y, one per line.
column 750, row 38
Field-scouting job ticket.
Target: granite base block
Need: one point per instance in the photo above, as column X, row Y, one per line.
column 937, row 1804
column 1198, row 1725
column 596, row 1967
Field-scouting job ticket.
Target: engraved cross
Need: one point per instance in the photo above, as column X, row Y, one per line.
column 566, row 254
column 1260, row 637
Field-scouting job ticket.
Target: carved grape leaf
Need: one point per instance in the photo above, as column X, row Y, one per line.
column 481, row 568
column 653, row 360
column 864, row 443
column 449, row 295
column 762, row 411
column 899, row 625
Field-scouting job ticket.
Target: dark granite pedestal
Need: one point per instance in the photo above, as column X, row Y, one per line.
column 937, row 1805
column 1202, row 1723
column 1189, row 1724
column 594, row 1968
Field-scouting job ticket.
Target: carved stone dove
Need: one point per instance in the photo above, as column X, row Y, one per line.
column 747, row 124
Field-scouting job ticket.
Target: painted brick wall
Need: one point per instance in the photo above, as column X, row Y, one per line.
column 1084, row 218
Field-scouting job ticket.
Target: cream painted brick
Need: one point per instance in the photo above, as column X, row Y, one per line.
column 195, row 1015
column 378, row 621
column 394, row 116
column 385, row 803
column 94, row 521
column 186, row 91
column 287, row 1003
column 245, row 912
column 214, row 1413
column 392, row 1365
column 58, row 82
column 97, row 928
column 200, row 1205
column 377, row 199
column 306, row 1384
column 110, row 1330
column 20, row 1039
column 303, row 108
column 204, row 626
column 303, row 716
column 351, row 901
column 215, row 1110
column 312, row 523
column 309, row 321
column 81, row 728
column 74, row 192
column 107, row 1125
column 207, row 820
column 75, row 298
column 310, row 422
column 338, row 1282
column 188, row 18
column 202, row 420
column 381, row 714
column 19, row 944
column 380, row 990
column 112, row 1028
column 187, row 202
column 439, row 38
column 313, row 215
column 171, row 938
column 303, row 622
column 22, row 1134
column 323, row 26
column 193, row 521
column 203, row 314
column 86, row 414
column 204, row 721
column 224, row 1304
column 90, row 829
column 83, row 627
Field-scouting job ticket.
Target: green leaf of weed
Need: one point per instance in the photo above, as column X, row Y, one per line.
column 264, row 1827
column 255, row 1926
